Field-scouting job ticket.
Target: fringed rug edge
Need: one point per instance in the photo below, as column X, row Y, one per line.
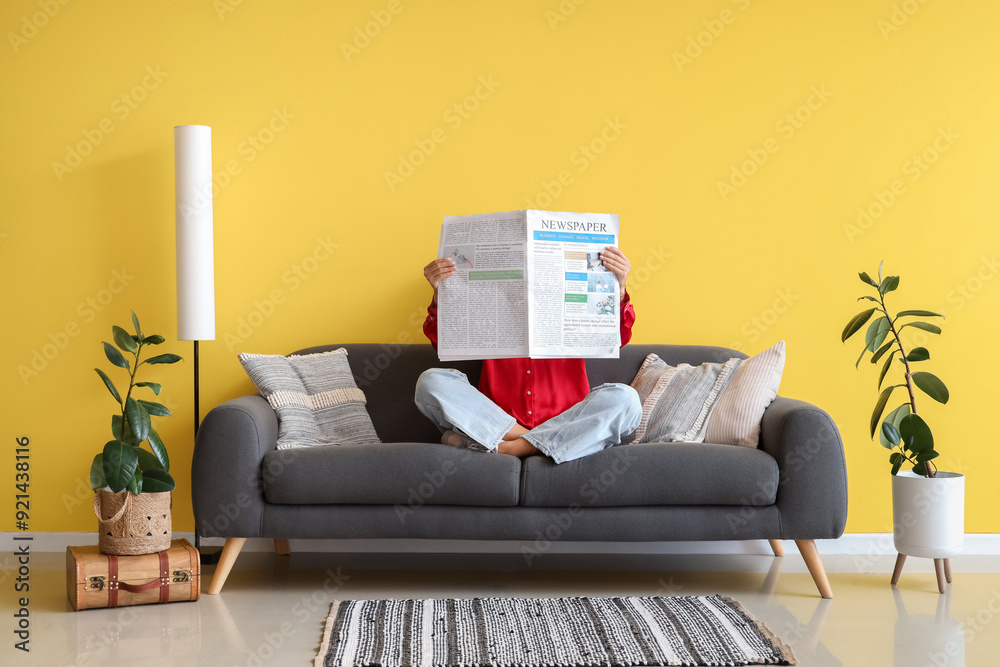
column 779, row 643
column 324, row 646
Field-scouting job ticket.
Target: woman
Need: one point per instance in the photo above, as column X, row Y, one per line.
column 528, row 406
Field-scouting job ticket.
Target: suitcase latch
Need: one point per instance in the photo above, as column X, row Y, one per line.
column 180, row 576
column 97, row 583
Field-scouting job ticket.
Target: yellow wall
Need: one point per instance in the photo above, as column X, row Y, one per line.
column 774, row 257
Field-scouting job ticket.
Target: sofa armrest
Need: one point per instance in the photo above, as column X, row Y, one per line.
column 812, row 486
column 226, row 488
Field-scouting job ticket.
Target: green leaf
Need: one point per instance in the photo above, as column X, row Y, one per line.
column 97, row 480
column 879, row 337
column 123, row 339
column 915, row 434
column 877, row 331
column 114, row 356
column 895, row 456
column 157, row 409
column 865, row 278
column 155, row 386
column 116, row 431
column 926, row 326
column 153, row 340
column 156, row 444
column 856, row 323
column 163, row 359
column 920, row 469
column 897, row 464
column 880, row 406
column 135, row 484
column 918, row 313
column 147, row 460
column 870, row 298
column 927, row 455
column 157, row 481
column 135, row 323
column 860, row 357
column 110, row 385
column 885, row 369
column 119, row 464
column 931, row 385
column 116, row 426
column 888, row 284
column 890, row 433
column 882, row 350
column 880, row 269
column 893, row 418
column 918, row 354
column 138, row 419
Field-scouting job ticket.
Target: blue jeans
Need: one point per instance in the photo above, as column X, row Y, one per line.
column 607, row 414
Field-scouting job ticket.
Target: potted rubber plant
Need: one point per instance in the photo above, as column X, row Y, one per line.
column 132, row 483
column 928, row 503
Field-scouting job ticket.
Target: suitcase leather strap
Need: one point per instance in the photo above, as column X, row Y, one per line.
column 163, row 581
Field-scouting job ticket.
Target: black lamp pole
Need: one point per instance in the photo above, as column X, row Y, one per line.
column 209, row 556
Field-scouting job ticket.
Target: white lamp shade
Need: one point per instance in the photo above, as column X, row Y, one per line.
column 195, row 245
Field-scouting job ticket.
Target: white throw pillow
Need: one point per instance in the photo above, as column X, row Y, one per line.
column 738, row 412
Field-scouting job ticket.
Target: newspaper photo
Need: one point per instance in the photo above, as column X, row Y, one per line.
column 528, row 284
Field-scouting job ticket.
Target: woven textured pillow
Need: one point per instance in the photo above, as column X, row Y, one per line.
column 677, row 400
column 315, row 396
column 736, row 418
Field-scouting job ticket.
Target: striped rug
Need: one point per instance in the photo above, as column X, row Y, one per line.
column 547, row 632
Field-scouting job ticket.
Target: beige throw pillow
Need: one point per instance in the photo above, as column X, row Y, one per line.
column 677, row 400
column 738, row 412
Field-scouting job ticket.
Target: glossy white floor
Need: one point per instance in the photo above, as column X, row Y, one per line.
column 272, row 609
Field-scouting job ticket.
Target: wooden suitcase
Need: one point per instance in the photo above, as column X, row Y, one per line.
column 96, row 581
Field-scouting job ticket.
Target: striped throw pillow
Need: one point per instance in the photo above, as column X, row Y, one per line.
column 315, row 397
column 677, row 400
column 736, row 418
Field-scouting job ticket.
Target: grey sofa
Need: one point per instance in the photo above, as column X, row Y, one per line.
column 792, row 486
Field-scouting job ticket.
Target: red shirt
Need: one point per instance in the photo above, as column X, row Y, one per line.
column 534, row 390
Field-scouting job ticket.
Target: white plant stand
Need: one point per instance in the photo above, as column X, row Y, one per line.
column 929, row 520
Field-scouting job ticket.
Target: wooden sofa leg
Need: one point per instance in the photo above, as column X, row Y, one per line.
column 282, row 547
column 811, row 556
column 229, row 553
column 776, row 547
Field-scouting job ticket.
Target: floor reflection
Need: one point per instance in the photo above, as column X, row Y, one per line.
column 803, row 638
column 153, row 635
column 927, row 639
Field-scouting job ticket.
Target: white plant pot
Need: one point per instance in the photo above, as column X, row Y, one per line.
column 928, row 514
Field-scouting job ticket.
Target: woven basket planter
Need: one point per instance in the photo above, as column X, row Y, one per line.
column 130, row 525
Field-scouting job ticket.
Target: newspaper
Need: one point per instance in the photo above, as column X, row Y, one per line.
column 528, row 284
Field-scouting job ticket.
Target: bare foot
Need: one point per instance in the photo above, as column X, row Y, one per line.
column 515, row 432
column 455, row 439
column 517, row 447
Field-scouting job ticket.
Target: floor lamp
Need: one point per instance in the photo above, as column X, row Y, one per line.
column 195, row 255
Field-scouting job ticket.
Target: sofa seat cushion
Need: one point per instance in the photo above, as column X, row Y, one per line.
column 658, row 473
column 400, row 473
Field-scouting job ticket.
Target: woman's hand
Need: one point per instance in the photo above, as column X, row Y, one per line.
column 616, row 262
column 437, row 271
